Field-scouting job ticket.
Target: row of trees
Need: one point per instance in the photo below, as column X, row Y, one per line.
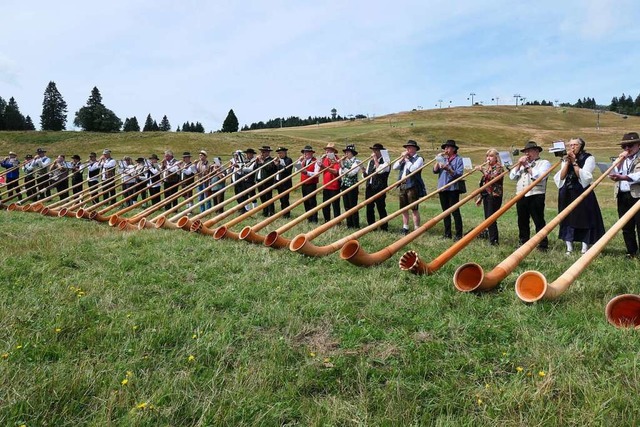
column 291, row 122
column 93, row 117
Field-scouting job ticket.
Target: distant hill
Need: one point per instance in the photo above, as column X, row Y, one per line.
column 475, row 128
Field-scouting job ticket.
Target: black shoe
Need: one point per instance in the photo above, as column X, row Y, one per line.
column 630, row 256
column 404, row 231
column 456, row 238
column 543, row 248
column 494, row 243
column 446, row 236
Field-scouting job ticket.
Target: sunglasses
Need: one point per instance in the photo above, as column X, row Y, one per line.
column 625, row 146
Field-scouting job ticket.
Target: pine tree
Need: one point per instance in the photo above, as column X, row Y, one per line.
column 230, row 124
column 3, row 105
column 178, row 129
column 13, row 118
column 28, row 124
column 148, row 124
column 131, row 125
column 155, row 126
column 54, row 109
column 165, row 126
column 95, row 117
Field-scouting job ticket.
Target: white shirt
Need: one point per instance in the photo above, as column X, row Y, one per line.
column 625, row 168
column 526, row 176
column 585, row 175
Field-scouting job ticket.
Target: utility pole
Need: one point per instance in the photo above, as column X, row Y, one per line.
column 496, row 99
column 471, row 95
column 439, row 103
column 516, row 96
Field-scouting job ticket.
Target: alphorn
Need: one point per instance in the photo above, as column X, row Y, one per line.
column 275, row 239
column 411, row 262
column 187, row 223
column 224, row 232
column 140, row 219
column 161, row 221
column 624, row 311
column 532, row 285
column 471, row 277
column 12, row 168
column 302, row 242
column 200, row 227
column 353, row 252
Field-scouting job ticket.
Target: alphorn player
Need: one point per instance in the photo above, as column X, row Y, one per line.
column 627, row 190
column 451, row 169
column 77, row 169
column 202, row 167
column 187, row 175
column 59, row 174
column 376, row 183
column 330, row 164
column 413, row 188
column 41, row 165
column 171, row 177
column 29, row 177
column 349, row 169
column 108, row 169
column 584, row 223
column 529, row 168
column 265, row 177
column 154, row 175
column 283, row 177
column 309, row 179
column 93, row 175
column 12, row 178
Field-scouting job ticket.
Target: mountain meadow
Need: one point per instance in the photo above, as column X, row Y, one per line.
column 161, row 327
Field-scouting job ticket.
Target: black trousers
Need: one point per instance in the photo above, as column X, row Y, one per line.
column 13, row 186
column 631, row 230
column 154, row 192
column 42, row 183
column 94, row 189
column 62, row 188
column 76, row 187
column 284, row 200
column 531, row 207
column 171, row 188
column 349, row 200
column 448, row 199
column 310, row 203
column 30, row 185
column 326, row 211
column 108, row 185
column 491, row 204
column 380, row 204
column 269, row 209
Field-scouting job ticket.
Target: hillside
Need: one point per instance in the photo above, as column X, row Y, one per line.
column 475, row 129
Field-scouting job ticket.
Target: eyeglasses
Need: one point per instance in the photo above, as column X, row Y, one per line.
column 625, row 146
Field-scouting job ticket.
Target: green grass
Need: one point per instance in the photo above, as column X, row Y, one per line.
column 160, row 327
column 281, row 339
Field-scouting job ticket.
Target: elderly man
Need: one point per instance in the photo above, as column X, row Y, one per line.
column 108, row 168
column 529, row 168
column 41, row 165
column 309, row 179
column 171, row 178
column 627, row 190
column 329, row 164
column 265, row 177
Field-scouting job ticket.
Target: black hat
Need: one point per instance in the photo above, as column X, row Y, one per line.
column 250, row 151
column 377, row 146
column 411, row 143
column 29, row 156
column 75, row 157
column 41, row 150
column 450, row 143
column 531, row 144
column 279, row 149
column 307, row 148
column 140, row 160
column 265, row 148
column 351, row 148
column 186, row 154
column 92, row 154
column 630, row 138
column 154, row 157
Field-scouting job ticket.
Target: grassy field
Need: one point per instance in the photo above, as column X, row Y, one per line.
column 160, row 327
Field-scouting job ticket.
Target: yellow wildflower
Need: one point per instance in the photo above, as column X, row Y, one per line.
column 479, row 401
column 135, row 327
column 191, row 358
column 19, row 346
column 519, row 369
column 129, row 374
column 312, row 354
column 124, row 381
column 541, row 374
column 194, row 336
column 141, row 405
column 58, row 330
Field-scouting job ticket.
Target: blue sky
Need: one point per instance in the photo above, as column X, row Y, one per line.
column 195, row 60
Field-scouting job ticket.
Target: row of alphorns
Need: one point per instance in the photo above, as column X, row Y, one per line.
column 530, row 286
